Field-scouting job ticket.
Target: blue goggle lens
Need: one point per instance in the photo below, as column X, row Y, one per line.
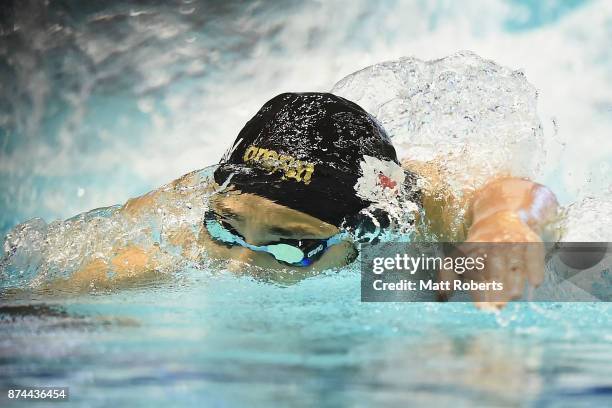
column 282, row 252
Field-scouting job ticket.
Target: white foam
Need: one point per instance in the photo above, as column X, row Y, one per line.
column 473, row 117
column 589, row 220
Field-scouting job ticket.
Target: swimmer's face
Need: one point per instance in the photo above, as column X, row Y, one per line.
column 261, row 222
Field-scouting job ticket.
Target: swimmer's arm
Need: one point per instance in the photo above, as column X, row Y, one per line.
column 520, row 215
column 125, row 263
column 451, row 218
column 505, row 209
column 125, row 266
column 149, row 202
column 171, row 199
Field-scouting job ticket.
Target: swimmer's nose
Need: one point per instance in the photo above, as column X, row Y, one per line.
column 240, row 258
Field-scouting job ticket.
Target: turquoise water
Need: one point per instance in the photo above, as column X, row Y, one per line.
column 220, row 340
column 118, row 98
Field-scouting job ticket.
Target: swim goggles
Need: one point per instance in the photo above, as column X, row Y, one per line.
column 293, row 252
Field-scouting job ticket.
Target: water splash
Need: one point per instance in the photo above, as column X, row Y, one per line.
column 471, row 115
column 589, row 219
column 166, row 222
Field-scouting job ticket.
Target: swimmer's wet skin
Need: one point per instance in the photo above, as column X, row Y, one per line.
column 304, row 165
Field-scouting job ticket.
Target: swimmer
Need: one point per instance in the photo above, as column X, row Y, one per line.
column 302, row 171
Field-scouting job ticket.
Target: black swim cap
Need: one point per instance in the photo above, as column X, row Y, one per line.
column 316, row 153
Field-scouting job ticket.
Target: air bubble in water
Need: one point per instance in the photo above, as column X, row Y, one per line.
column 589, row 220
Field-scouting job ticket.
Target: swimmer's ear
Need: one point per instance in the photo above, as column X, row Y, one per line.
column 367, row 225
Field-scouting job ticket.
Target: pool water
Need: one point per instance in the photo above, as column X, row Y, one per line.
column 204, row 339
column 103, row 102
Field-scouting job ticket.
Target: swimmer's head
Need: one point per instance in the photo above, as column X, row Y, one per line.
column 316, row 153
column 320, row 158
column 249, row 229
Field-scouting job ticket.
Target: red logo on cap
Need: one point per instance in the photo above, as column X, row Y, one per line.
column 386, row 182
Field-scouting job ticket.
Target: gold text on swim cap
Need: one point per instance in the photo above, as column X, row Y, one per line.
column 271, row 161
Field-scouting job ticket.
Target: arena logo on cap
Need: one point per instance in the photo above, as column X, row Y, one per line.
column 380, row 180
column 272, row 161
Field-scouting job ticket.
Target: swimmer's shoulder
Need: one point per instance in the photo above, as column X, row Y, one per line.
column 196, row 183
column 190, row 180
